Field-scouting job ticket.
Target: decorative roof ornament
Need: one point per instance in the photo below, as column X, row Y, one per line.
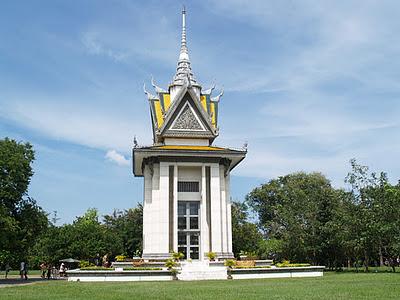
column 150, row 96
column 183, row 69
column 209, row 91
column 245, row 145
column 156, row 87
column 218, row 97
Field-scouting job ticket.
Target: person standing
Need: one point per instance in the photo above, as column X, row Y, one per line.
column 26, row 271
column 7, row 269
column 62, row 270
column 21, row 269
column 43, row 270
column 49, row 266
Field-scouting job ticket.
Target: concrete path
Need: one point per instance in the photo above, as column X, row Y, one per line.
column 16, row 281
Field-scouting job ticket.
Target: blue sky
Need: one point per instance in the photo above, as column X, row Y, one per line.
column 309, row 85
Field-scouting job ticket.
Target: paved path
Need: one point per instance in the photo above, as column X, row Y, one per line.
column 16, row 281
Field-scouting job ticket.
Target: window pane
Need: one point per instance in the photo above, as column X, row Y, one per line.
column 194, row 209
column 194, row 252
column 181, row 209
column 181, row 238
column 194, row 223
column 194, row 239
column 181, row 223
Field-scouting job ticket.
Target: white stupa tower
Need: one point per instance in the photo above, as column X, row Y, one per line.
column 186, row 179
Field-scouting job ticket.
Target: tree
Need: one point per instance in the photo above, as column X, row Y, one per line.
column 128, row 225
column 83, row 239
column 369, row 193
column 15, row 173
column 21, row 219
column 245, row 235
column 298, row 210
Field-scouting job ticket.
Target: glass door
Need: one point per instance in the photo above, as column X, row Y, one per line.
column 189, row 228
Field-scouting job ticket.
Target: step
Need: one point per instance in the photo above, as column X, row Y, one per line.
column 201, row 271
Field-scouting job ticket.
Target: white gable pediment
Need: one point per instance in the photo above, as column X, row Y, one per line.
column 187, row 120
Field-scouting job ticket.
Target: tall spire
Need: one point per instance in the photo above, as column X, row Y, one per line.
column 184, row 54
column 184, row 71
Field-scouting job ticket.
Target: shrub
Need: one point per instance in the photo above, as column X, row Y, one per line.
column 287, row 264
column 245, row 263
column 248, row 255
column 211, row 256
column 230, row 263
column 85, row 264
column 142, row 269
column 120, row 258
column 177, row 256
column 253, row 267
column 170, row 264
column 97, row 269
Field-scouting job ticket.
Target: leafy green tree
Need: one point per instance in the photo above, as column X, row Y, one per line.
column 15, row 173
column 245, row 235
column 385, row 230
column 83, row 239
column 128, row 225
column 298, row 210
column 21, row 219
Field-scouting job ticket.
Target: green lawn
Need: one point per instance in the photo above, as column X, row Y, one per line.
column 331, row 286
column 16, row 272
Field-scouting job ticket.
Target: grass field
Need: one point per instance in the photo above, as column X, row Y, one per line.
column 331, row 286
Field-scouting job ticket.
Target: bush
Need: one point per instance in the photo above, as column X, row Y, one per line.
column 142, row 269
column 230, row 263
column 248, row 255
column 245, row 263
column 287, row 264
column 170, row 264
column 85, row 264
column 253, row 267
column 177, row 256
column 97, row 269
column 211, row 256
column 120, row 258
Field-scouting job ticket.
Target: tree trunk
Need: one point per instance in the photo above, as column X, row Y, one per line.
column 381, row 263
column 366, row 261
column 348, row 263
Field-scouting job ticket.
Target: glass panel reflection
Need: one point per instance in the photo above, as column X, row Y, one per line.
column 194, row 239
column 194, row 223
column 182, row 238
column 194, row 209
column 194, row 252
column 181, row 222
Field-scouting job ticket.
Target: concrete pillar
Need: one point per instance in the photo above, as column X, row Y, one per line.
column 228, row 212
column 224, row 233
column 215, row 209
column 204, row 234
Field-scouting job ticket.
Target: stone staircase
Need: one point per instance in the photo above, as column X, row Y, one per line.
column 201, row 270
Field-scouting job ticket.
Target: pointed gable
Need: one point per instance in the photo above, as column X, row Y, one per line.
column 187, row 118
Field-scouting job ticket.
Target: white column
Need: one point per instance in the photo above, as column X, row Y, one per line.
column 147, row 209
column 175, row 207
column 162, row 219
column 224, row 233
column 204, row 245
column 215, row 209
column 228, row 211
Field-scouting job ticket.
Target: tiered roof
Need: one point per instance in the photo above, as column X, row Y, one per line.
column 184, row 110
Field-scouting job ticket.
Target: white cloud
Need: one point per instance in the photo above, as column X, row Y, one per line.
column 102, row 126
column 117, row 158
column 93, row 45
